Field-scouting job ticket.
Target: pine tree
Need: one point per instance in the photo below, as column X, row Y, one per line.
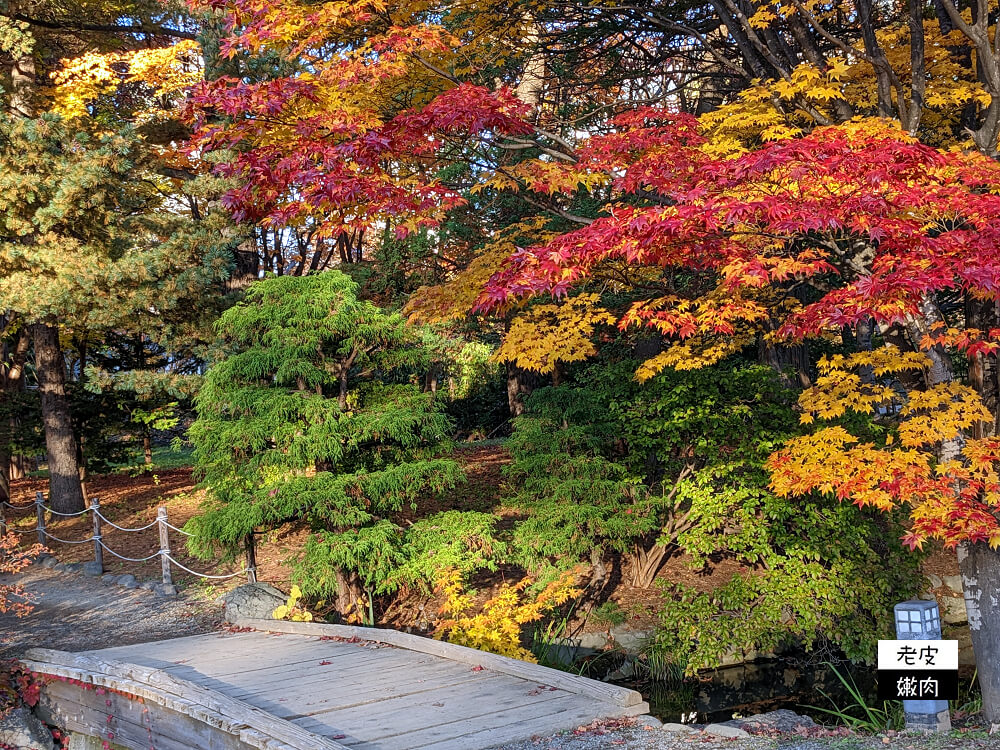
column 87, row 245
column 311, row 419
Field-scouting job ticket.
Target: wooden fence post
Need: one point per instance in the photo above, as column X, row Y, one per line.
column 95, row 509
column 40, row 512
column 161, row 522
column 251, row 549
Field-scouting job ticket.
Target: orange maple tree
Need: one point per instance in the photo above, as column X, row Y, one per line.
column 872, row 225
column 350, row 130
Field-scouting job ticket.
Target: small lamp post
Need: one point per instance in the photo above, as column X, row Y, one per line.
column 919, row 620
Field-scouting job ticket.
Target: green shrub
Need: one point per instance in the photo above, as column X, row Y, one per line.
column 311, row 419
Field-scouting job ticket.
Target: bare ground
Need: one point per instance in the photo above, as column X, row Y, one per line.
column 75, row 613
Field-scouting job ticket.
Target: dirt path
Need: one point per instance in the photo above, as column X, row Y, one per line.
column 642, row 738
column 74, row 613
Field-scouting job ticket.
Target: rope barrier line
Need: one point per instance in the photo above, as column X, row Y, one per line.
column 203, row 575
column 16, row 507
column 54, row 538
column 45, row 508
column 122, row 528
column 130, row 559
column 66, row 515
column 161, row 521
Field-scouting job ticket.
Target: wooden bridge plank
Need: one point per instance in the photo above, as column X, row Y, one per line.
column 214, row 708
column 415, row 693
column 402, row 715
column 343, row 687
column 262, row 668
column 379, row 700
column 217, row 657
column 572, row 683
column 71, row 707
column 497, row 728
column 174, row 645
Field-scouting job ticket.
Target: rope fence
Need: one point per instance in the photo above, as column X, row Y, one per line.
column 100, row 547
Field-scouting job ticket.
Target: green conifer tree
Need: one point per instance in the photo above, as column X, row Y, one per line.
column 88, row 244
column 312, row 419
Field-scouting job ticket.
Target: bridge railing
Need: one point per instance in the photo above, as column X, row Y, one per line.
column 161, row 524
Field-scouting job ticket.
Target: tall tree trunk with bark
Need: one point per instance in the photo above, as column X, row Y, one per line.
column 520, row 384
column 65, row 486
column 980, row 567
column 11, row 371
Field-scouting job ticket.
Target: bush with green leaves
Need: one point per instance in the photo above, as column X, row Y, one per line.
column 312, row 419
column 606, row 469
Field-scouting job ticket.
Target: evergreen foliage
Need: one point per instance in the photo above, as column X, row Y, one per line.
column 87, row 237
column 311, row 419
column 678, row 465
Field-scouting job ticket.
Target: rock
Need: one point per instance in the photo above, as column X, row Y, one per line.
column 92, row 569
column 625, row 672
column 148, row 585
column 781, row 720
column 954, row 583
column 48, row 561
column 648, row 721
column 23, row 730
column 128, row 581
column 737, row 657
column 722, row 730
column 109, row 578
column 679, row 728
column 164, row 589
column 933, row 581
column 631, row 641
column 952, row 610
column 253, row 600
column 73, row 567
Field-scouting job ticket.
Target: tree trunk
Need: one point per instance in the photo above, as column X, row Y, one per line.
column 520, row 384
column 65, row 487
column 348, row 595
column 983, row 371
column 644, row 564
column 979, row 565
column 19, row 465
column 11, row 371
column 980, row 568
column 147, row 450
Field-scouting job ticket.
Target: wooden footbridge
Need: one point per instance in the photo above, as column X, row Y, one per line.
column 309, row 686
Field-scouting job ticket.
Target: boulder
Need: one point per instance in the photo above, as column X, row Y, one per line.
column 92, row 569
column 22, row 729
column 954, row 583
column 648, row 721
column 723, row 730
column 781, row 720
column 625, row 672
column 72, row 567
column 48, row 561
column 953, row 610
column 632, row 641
column 671, row 726
column 148, row 585
column 109, row 578
column 253, row 600
column 164, row 589
column 128, row 581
